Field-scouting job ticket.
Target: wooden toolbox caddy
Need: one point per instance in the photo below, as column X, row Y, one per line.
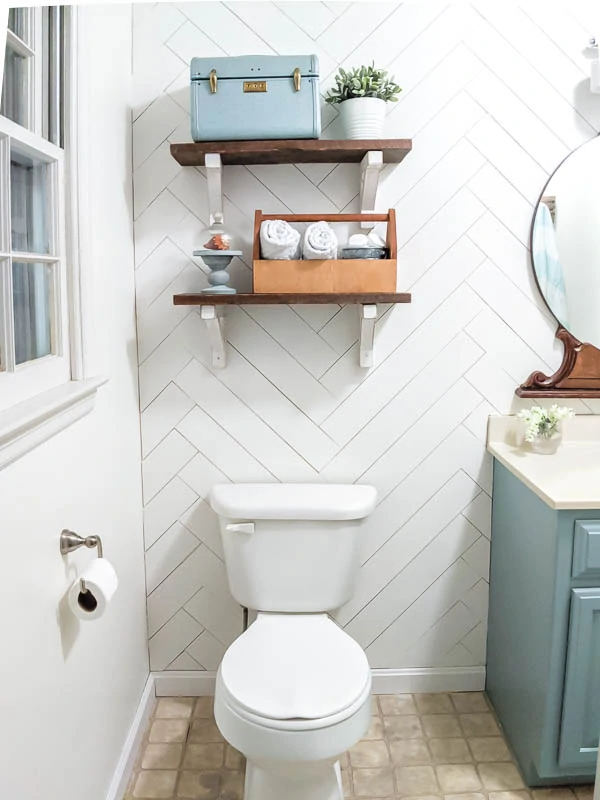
column 341, row 275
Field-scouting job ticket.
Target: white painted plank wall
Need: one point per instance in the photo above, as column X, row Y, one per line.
column 494, row 97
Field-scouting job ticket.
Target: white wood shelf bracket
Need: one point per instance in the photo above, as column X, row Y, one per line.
column 370, row 169
column 368, row 315
column 216, row 339
column 214, row 182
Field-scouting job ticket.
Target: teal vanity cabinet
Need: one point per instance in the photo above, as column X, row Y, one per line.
column 543, row 662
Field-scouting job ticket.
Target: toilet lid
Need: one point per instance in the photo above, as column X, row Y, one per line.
column 295, row 666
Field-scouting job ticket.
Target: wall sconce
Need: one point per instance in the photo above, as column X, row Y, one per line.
column 592, row 51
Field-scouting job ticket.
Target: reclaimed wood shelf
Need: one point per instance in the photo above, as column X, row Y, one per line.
column 254, row 298
column 291, row 151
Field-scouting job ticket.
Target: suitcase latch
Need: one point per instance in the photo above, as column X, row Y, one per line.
column 297, row 79
column 255, row 86
column 212, row 79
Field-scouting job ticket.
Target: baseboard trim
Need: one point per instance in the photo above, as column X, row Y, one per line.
column 385, row 681
column 429, row 679
column 133, row 742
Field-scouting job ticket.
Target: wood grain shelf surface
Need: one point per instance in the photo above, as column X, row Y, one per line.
column 291, row 151
column 254, row 298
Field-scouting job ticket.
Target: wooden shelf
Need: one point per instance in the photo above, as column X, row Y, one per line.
column 254, row 298
column 291, row 151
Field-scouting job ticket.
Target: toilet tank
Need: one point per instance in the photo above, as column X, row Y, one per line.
column 292, row 547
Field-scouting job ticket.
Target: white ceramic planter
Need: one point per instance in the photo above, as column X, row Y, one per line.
column 363, row 117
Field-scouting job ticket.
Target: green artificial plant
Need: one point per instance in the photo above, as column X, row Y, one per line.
column 363, row 82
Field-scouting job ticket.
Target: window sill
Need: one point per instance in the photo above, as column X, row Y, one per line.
column 35, row 421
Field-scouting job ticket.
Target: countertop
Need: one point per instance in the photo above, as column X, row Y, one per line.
column 567, row 479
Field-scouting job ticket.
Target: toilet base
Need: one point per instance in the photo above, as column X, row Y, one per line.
column 321, row 781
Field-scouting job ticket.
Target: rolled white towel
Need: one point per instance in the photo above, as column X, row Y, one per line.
column 319, row 242
column 278, row 240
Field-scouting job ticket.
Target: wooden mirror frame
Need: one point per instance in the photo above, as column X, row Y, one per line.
column 579, row 373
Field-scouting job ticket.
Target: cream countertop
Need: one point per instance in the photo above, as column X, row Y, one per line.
column 568, row 479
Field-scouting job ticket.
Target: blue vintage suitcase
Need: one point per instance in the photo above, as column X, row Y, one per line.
column 255, row 97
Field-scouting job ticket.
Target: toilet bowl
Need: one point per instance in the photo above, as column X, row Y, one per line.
column 293, row 694
column 293, row 690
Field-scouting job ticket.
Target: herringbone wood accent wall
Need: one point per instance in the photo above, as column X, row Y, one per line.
column 494, row 97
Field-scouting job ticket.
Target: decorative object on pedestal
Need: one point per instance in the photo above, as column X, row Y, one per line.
column 362, row 94
column 543, row 433
column 217, row 253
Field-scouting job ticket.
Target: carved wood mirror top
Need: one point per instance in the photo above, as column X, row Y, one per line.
column 565, row 254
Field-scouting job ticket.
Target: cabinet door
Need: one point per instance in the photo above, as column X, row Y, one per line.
column 581, row 702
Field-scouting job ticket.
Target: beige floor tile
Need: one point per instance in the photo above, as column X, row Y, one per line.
column 489, row 748
column 375, row 729
column 402, row 727
column 509, row 795
column 465, row 796
column 199, row 785
column 393, row 704
column 503, row 777
column 434, row 703
column 204, row 756
column 232, row 785
column 204, row 730
column 410, row 752
column 479, row 725
column 369, row 754
column 168, row 730
column 554, row 793
column 423, row 797
column 205, row 707
column 174, row 707
column 458, row 778
column 470, row 702
column 373, row 782
column 584, row 792
column 441, row 726
column 233, row 758
column 450, row 751
column 415, row 781
column 347, row 783
column 155, row 783
column 162, row 756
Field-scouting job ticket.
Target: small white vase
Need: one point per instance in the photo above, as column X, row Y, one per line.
column 363, row 117
column 546, row 445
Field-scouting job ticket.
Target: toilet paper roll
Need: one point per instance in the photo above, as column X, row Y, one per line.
column 101, row 583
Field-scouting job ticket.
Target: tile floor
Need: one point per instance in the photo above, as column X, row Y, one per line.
column 422, row 747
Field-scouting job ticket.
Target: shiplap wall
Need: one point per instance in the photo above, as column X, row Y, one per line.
column 494, row 97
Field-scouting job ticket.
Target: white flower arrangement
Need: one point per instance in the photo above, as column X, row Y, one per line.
column 543, row 422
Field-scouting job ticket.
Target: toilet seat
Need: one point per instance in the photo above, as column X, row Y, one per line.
column 294, row 672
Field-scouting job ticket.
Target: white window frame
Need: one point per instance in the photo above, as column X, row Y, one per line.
column 42, row 397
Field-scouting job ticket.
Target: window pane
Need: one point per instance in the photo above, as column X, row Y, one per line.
column 17, row 22
column 29, row 204
column 14, row 88
column 32, row 304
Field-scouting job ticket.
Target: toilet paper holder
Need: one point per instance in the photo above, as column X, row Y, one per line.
column 70, row 541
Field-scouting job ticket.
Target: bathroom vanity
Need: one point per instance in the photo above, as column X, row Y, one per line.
column 543, row 663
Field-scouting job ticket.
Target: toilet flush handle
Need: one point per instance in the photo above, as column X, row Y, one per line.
column 240, row 527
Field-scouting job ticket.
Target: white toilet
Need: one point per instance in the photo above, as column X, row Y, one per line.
column 293, row 691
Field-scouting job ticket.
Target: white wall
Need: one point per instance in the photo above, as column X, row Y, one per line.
column 68, row 690
column 494, row 97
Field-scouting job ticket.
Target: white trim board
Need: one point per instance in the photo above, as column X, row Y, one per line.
column 385, row 681
column 133, row 742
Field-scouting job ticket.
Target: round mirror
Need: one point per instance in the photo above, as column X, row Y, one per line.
column 565, row 243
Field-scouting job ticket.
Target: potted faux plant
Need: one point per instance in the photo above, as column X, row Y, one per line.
column 362, row 93
column 543, row 432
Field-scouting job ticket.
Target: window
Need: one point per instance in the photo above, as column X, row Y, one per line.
column 34, row 312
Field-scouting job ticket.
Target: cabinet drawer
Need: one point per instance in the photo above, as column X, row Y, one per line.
column 586, row 549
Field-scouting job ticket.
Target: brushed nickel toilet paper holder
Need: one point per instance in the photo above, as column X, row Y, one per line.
column 70, row 541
